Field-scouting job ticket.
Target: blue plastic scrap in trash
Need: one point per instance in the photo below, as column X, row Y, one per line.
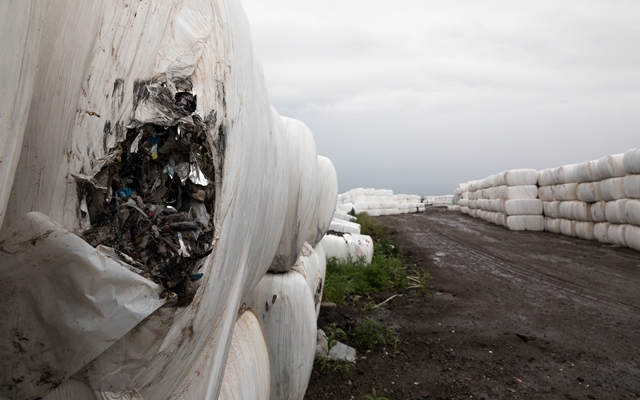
column 197, row 277
column 125, row 192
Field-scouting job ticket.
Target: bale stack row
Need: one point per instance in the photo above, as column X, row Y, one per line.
column 376, row 202
column 595, row 200
column 438, row 201
column 509, row 199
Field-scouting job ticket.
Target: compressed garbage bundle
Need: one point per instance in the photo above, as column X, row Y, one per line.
column 165, row 186
column 377, row 202
column 592, row 200
column 509, row 199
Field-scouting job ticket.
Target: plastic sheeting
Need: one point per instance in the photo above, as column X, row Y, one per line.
column 575, row 210
column 616, row 234
column 63, row 303
column 566, row 192
column 586, row 172
column 525, row 223
column 632, row 212
column 589, row 192
column 285, row 309
column 520, row 177
column 631, row 161
column 71, row 390
column 247, row 375
column 611, row 166
column 351, row 246
column 584, row 230
column 552, row 225
column 631, row 186
column 312, row 264
column 303, row 199
column 344, row 226
column 598, row 211
column 522, row 207
column 327, row 192
column 551, row 208
column 632, row 237
column 612, row 189
column 517, row 192
column 601, row 232
column 568, row 227
column 547, row 193
column 615, row 211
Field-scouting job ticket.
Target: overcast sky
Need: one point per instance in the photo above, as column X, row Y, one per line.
column 418, row 96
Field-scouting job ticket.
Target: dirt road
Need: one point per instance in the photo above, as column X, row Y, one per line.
column 513, row 315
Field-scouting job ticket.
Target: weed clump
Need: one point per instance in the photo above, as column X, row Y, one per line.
column 369, row 334
column 368, row 226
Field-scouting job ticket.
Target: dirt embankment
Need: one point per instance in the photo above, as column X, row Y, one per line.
column 511, row 315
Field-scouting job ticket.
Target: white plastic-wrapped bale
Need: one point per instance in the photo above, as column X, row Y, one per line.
column 612, row 189
column 598, row 211
column 544, row 178
column 285, row 309
column 326, row 192
column 464, row 210
column 632, row 212
column 180, row 49
column 547, row 193
column 631, row 186
column 342, row 216
column 344, row 226
column 552, row 225
column 247, row 375
column 566, row 192
column 522, row 207
column 632, row 237
column 584, row 230
column 551, row 208
column 520, row 177
column 586, row 172
column 616, row 234
column 611, row 166
column 575, row 210
column 615, row 211
column 348, row 246
column 631, row 161
column 345, row 207
column 589, row 192
column 525, row 223
column 302, row 200
column 601, row 232
column 517, row 192
column 568, row 227
column 71, row 389
column 312, row 264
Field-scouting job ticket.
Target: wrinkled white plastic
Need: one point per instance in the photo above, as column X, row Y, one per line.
column 348, row 246
column 632, row 237
column 616, row 234
column 344, row 226
column 552, row 225
column 615, row 211
column 525, row 223
column 551, row 209
column 568, row 227
column 312, row 264
column 598, row 211
column 71, row 390
column 631, row 161
column 247, row 375
column 631, row 186
column 575, row 210
column 589, row 192
column 601, row 232
column 611, row 166
column 522, row 207
column 566, row 192
column 303, row 197
column 547, row 193
column 584, row 230
column 62, row 303
column 612, row 189
column 285, row 309
column 632, row 212
column 586, row 172
column 520, row 177
column 326, row 192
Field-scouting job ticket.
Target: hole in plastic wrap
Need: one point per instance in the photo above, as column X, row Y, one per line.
column 152, row 201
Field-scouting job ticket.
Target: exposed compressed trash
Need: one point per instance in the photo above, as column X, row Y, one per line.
column 152, row 199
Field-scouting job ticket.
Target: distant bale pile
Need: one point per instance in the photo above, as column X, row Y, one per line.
column 438, row 201
column 509, row 199
column 377, row 202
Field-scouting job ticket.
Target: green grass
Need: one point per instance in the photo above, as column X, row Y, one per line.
column 368, row 226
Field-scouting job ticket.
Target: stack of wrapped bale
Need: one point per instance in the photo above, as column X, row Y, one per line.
column 377, row 202
column 438, row 201
column 595, row 200
column 463, row 193
column 509, row 199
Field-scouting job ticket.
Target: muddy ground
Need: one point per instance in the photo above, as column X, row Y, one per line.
column 511, row 315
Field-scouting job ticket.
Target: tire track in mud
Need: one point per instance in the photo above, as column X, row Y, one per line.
column 477, row 250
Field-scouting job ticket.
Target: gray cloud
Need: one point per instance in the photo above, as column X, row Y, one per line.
column 417, row 96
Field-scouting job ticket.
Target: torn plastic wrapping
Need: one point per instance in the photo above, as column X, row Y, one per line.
column 63, row 303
